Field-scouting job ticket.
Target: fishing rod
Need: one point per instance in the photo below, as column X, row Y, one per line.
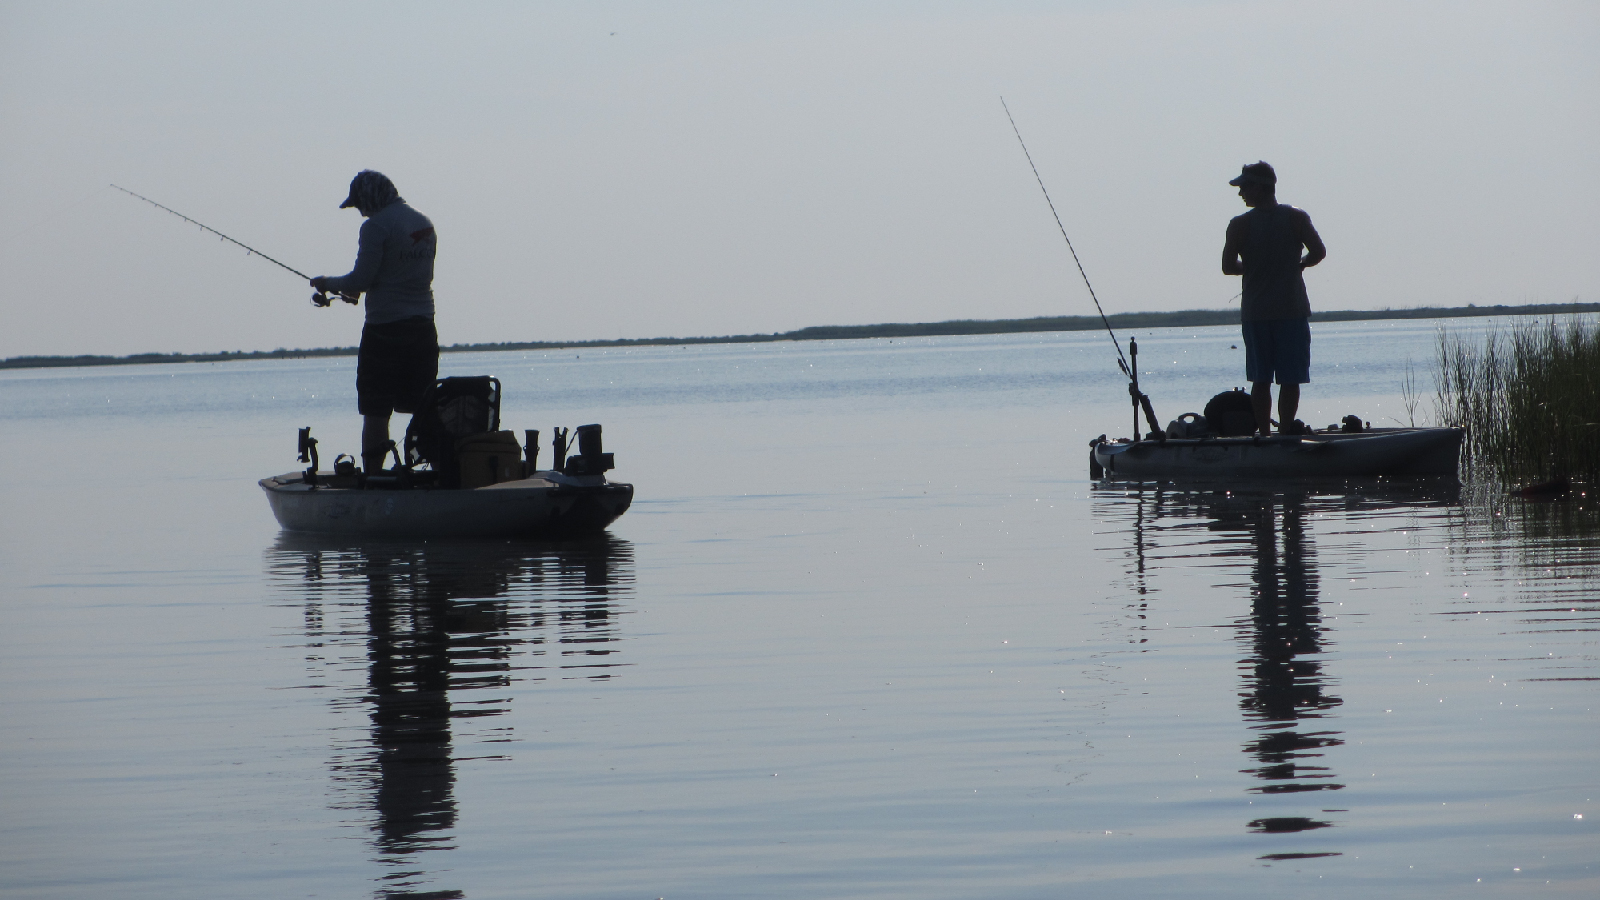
column 320, row 298
column 1140, row 399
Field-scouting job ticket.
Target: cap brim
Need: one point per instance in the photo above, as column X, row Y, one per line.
column 348, row 202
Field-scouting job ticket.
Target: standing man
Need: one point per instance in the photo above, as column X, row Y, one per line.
column 1264, row 246
column 399, row 357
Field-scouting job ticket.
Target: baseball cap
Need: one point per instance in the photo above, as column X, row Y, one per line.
column 370, row 190
column 1255, row 173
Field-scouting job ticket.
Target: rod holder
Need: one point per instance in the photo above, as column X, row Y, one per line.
column 530, row 448
column 558, row 448
column 308, row 454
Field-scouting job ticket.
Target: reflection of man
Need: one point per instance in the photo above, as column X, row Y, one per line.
column 1264, row 246
column 399, row 357
column 1285, row 688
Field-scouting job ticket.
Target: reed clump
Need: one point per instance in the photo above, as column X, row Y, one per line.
column 1528, row 397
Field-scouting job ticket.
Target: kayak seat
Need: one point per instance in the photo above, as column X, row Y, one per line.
column 453, row 408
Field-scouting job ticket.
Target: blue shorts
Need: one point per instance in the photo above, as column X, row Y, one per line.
column 1278, row 350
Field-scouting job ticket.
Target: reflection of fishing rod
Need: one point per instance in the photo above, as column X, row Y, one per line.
column 1140, row 399
column 320, row 298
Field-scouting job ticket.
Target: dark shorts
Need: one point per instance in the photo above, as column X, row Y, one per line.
column 1278, row 350
column 397, row 362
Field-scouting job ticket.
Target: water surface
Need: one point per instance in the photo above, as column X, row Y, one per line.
column 868, row 631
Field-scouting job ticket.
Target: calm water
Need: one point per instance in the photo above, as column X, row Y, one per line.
column 868, row 631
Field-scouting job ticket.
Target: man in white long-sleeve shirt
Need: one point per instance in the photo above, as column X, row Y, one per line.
column 399, row 357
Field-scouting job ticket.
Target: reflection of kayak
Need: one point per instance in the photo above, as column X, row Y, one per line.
column 1377, row 452
column 549, row 504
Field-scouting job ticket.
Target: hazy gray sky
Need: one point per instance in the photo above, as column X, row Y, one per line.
column 619, row 169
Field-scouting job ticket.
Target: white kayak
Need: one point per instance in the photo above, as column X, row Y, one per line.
column 1376, row 452
column 546, row 504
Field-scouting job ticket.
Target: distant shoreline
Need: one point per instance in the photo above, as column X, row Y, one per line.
column 1179, row 319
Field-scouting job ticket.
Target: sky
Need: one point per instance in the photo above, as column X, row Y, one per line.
column 610, row 169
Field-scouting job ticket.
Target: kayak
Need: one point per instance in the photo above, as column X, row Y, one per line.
column 459, row 475
column 546, row 504
column 1374, row 452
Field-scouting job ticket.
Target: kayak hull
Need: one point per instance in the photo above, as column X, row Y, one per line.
column 1376, row 453
column 546, row 504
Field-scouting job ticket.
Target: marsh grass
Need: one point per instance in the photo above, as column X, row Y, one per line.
column 1528, row 397
column 1408, row 394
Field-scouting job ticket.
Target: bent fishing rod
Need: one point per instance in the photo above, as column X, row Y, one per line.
column 320, row 298
column 1139, row 398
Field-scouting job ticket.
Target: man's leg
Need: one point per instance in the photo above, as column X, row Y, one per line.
column 1288, row 405
column 375, row 367
column 418, row 369
column 374, row 442
column 1293, row 365
column 1261, row 402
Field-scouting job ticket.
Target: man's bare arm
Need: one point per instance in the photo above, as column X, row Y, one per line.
column 1315, row 251
column 1231, row 264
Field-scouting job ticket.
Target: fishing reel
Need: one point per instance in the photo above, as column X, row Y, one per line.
column 325, row 299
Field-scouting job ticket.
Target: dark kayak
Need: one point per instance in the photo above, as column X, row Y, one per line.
column 1377, row 452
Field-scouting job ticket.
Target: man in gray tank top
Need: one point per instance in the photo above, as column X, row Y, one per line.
column 399, row 356
column 1264, row 245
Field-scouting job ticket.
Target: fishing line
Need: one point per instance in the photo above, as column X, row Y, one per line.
column 247, row 248
column 60, row 213
column 1141, row 401
column 1121, row 360
column 320, row 298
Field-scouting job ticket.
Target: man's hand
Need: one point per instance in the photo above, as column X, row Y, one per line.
column 318, row 282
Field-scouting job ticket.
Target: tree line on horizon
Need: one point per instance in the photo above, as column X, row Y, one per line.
column 1134, row 320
